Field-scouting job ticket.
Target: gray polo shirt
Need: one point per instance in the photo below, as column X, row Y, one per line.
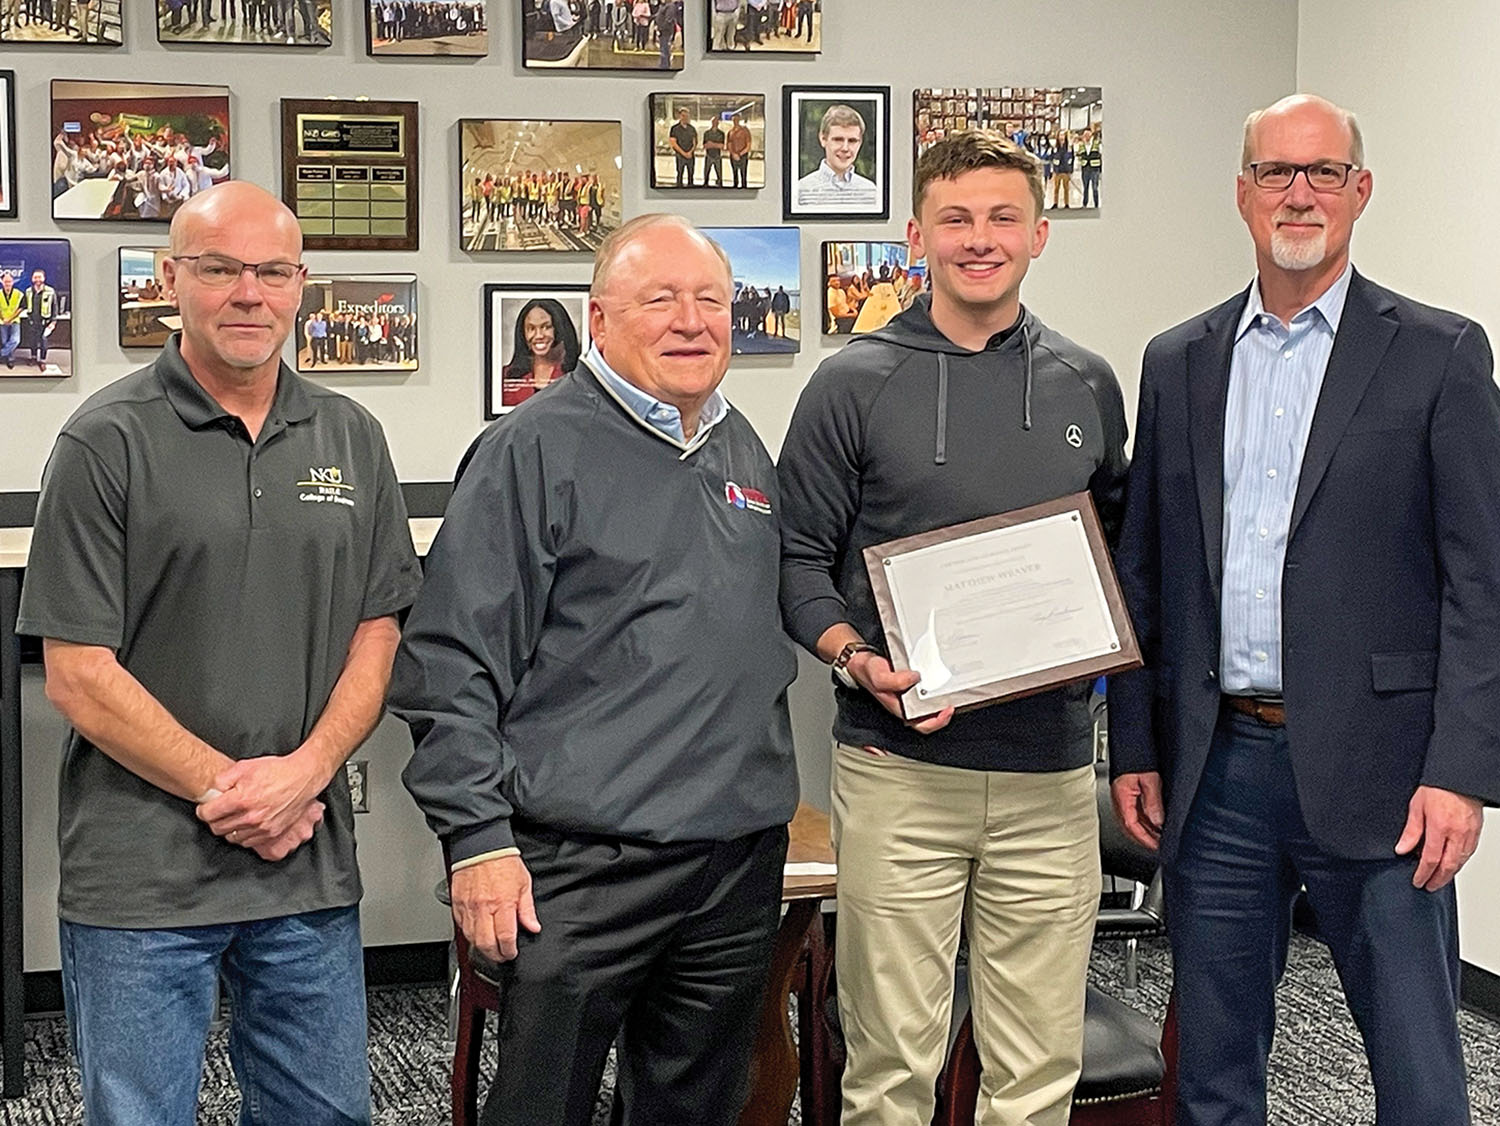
column 229, row 577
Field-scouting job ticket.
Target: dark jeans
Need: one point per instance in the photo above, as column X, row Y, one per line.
column 713, row 162
column 1245, row 852
column 1090, row 184
column 739, row 170
column 666, row 945
column 684, row 171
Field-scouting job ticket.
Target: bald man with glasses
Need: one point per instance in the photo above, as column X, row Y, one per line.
column 1309, row 554
column 221, row 550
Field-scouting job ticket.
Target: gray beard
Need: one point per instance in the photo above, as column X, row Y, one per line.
column 1299, row 253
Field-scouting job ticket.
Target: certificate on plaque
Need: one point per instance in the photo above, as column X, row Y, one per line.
column 1003, row 607
column 349, row 172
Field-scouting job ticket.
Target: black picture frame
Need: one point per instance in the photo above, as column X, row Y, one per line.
column 500, row 325
column 669, row 101
column 803, row 109
column 8, row 178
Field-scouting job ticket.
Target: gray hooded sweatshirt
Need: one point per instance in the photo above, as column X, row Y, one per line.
column 904, row 431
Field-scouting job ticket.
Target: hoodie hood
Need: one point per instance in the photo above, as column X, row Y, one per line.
column 913, row 328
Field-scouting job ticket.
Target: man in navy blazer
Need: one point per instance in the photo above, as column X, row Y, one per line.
column 1311, row 554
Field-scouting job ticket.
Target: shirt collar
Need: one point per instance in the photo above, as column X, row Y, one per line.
column 198, row 408
column 662, row 419
column 1330, row 305
column 845, row 177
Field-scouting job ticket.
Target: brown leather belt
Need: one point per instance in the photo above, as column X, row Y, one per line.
column 1266, row 711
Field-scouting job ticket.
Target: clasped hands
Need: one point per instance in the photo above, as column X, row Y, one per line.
column 268, row 805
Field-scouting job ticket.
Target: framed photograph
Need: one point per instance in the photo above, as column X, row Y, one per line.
column 36, row 308
column 134, row 150
column 533, row 336
column 1062, row 125
column 361, row 323
column 708, row 140
column 349, row 172
column 538, row 185
column 767, row 265
column 286, row 23
column 779, row 27
column 7, row 144
column 441, row 28
column 93, row 23
column 837, row 152
column 865, row 284
column 147, row 317
column 602, row 35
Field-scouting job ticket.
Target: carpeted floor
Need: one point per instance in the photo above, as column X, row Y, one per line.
column 1318, row 1072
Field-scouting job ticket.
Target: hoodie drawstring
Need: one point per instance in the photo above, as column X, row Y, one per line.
column 1026, row 351
column 940, row 450
column 940, row 454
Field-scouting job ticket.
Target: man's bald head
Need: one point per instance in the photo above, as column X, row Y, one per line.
column 233, row 203
column 634, row 236
column 1302, row 104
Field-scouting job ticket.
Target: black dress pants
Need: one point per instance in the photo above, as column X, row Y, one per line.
column 666, row 946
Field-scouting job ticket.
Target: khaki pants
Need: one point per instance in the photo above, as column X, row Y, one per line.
column 1013, row 856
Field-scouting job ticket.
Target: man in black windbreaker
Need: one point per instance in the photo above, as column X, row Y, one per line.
column 595, row 675
column 963, row 406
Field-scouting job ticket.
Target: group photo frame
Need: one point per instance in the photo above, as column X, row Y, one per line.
column 431, row 28
column 288, row 23
column 357, row 324
column 766, row 307
column 36, row 295
column 135, row 151
column 707, row 141
column 147, row 316
column 836, row 152
column 538, row 185
column 81, row 23
column 779, row 27
column 602, row 34
column 534, row 335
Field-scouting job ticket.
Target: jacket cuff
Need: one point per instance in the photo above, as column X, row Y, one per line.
column 813, row 619
column 466, row 844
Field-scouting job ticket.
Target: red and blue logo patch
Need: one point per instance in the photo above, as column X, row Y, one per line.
column 752, row 499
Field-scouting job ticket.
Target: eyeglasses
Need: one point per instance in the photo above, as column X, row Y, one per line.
column 1322, row 175
column 217, row 271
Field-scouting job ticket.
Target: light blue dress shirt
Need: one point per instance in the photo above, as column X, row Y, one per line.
column 1274, row 379
column 663, row 418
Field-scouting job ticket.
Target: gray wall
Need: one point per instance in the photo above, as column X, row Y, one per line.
column 1178, row 78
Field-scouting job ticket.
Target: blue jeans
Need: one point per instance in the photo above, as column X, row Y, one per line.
column 10, row 339
column 139, row 1004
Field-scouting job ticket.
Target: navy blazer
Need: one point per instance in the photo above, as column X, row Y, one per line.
column 1391, row 585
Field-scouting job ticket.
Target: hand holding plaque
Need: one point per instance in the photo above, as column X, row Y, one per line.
column 1002, row 607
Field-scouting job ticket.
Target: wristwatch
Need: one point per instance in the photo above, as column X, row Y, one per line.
column 846, row 654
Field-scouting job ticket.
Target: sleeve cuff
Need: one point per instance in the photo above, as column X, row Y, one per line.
column 478, row 841
column 813, row 619
column 498, row 854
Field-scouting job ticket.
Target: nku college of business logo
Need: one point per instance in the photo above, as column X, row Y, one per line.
column 326, row 486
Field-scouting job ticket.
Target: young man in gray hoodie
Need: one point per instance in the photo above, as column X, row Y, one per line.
column 963, row 406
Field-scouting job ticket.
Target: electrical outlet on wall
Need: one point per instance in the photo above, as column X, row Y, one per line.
column 358, row 773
